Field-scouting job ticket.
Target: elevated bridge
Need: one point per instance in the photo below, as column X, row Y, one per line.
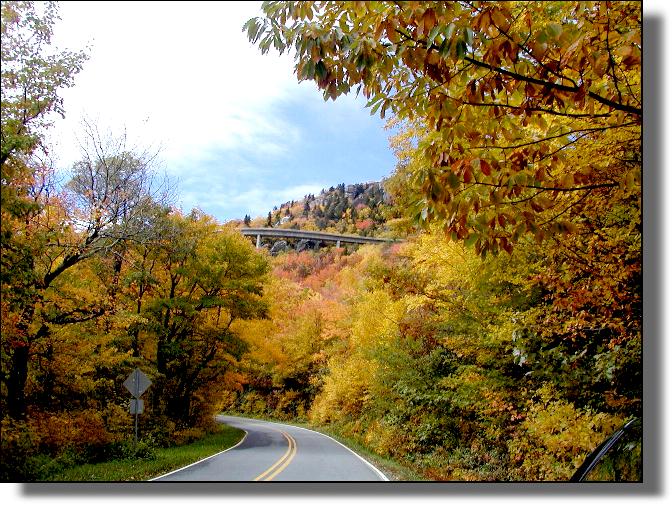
column 311, row 235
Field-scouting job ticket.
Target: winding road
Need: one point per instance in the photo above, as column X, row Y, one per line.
column 278, row 452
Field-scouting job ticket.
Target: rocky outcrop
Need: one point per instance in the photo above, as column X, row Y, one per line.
column 306, row 244
column 279, row 247
column 303, row 245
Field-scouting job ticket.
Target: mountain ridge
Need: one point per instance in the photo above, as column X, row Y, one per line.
column 357, row 209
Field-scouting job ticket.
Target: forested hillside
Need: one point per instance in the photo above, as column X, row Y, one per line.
column 462, row 368
column 360, row 209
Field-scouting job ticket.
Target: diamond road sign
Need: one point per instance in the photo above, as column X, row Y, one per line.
column 137, row 382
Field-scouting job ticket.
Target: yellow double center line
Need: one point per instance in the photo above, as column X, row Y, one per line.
column 281, row 464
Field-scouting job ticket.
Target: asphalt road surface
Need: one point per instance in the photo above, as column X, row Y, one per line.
column 278, row 452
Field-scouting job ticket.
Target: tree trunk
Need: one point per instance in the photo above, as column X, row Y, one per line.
column 135, row 342
column 18, row 370
column 161, row 359
column 16, row 383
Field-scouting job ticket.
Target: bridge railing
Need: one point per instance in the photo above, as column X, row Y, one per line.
column 311, row 235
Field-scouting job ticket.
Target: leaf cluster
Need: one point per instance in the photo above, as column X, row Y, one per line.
column 505, row 100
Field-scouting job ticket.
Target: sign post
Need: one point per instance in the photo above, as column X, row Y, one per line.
column 136, row 383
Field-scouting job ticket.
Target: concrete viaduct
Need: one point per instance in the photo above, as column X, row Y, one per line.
column 310, row 235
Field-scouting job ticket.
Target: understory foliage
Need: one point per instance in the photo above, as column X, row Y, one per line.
column 428, row 354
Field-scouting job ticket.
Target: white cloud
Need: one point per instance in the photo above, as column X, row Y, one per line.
column 220, row 200
column 237, row 133
column 178, row 74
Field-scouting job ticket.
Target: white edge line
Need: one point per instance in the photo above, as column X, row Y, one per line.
column 202, row 460
column 378, row 471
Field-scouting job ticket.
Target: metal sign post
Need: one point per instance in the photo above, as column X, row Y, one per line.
column 136, row 383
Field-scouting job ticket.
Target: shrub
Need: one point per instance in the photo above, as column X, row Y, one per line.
column 556, row 437
column 289, row 405
column 186, row 436
column 253, row 403
column 18, row 444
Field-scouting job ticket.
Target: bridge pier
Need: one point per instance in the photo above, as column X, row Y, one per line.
column 338, row 243
column 258, row 241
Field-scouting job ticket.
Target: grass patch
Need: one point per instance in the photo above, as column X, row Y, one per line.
column 162, row 461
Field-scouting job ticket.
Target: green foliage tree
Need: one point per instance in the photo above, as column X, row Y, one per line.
column 32, row 77
column 200, row 280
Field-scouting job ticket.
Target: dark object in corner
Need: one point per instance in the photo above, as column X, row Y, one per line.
column 621, row 451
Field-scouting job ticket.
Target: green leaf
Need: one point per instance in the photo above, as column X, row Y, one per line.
column 453, row 180
column 460, row 49
column 470, row 240
column 468, row 36
column 449, row 30
column 308, row 70
column 250, row 26
column 433, row 33
column 320, row 70
column 360, row 62
column 444, row 50
column 554, row 30
column 375, row 108
column 343, row 23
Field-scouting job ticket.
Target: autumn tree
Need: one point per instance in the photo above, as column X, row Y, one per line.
column 427, row 353
column 520, row 122
column 32, row 76
column 187, row 291
column 518, row 130
column 105, row 204
column 525, row 114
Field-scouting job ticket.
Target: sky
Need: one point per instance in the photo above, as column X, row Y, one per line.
column 236, row 131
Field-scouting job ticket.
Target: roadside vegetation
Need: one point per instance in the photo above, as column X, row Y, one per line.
column 143, row 462
column 100, row 275
column 428, row 355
